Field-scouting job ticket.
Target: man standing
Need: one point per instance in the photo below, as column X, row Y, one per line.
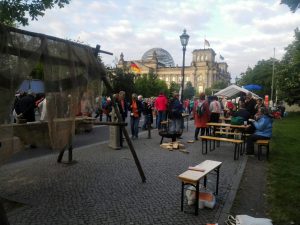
column 161, row 104
column 135, row 115
column 176, row 110
column 27, row 106
column 250, row 104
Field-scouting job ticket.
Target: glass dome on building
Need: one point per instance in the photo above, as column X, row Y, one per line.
column 164, row 58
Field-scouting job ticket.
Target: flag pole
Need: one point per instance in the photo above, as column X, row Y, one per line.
column 272, row 87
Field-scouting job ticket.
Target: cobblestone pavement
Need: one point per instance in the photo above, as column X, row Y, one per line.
column 104, row 186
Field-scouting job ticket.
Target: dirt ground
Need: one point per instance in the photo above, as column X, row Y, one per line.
column 251, row 197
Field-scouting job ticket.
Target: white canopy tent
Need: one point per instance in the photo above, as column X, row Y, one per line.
column 233, row 90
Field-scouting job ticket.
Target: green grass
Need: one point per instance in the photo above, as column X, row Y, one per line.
column 284, row 171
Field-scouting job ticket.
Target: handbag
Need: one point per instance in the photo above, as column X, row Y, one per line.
column 237, row 120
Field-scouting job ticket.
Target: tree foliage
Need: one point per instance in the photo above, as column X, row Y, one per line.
column 15, row 11
column 260, row 74
column 149, row 85
column 292, row 4
column 288, row 76
column 189, row 91
column 122, row 81
column 216, row 86
column 174, row 87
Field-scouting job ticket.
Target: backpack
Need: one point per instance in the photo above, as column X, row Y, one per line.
column 237, row 120
column 200, row 108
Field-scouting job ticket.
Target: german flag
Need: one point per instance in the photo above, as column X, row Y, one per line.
column 134, row 68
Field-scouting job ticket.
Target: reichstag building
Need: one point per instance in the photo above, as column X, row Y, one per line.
column 202, row 73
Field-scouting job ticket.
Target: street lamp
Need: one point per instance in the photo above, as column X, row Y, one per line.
column 184, row 38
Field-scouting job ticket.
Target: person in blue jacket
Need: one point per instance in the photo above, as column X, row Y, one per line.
column 263, row 129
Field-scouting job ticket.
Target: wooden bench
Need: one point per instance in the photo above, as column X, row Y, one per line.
column 242, row 135
column 237, row 144
column 231, row 133
column 260, row 144
column 193, row 176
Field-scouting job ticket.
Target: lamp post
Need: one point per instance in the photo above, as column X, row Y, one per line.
column 184, row 38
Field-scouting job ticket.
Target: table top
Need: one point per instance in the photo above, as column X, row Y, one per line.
column 194, row 176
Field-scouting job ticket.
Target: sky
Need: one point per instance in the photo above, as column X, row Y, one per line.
column 242, row 31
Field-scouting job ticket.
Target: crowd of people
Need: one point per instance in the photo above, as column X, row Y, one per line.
column 202, row 109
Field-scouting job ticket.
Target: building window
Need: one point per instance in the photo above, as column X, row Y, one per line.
column 206, row 58
column 200, row 89
column 173, row 79
column 202, row 58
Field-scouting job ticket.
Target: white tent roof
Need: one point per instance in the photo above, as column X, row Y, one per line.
column 232, row 90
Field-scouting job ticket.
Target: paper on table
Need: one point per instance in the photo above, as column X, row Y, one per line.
column 195, row 168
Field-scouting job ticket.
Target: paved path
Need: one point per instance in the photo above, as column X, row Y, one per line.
column 104, row 186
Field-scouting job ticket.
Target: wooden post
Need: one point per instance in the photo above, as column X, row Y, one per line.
column 3, row 217
column 118, row 114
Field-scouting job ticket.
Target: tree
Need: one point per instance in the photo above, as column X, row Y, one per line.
column 261, row 74
column 174, row 87
column 189, row 91
column 218, row 85
column 292, row 4
column 15, row 11
column 149, row 85
column 288, row 75
column 122, row 81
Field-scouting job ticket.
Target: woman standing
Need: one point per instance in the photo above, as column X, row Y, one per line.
column 201, row 115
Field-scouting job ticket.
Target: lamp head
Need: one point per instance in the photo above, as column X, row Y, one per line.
column 184, row 38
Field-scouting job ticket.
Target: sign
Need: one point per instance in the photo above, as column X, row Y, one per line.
column 267, row 101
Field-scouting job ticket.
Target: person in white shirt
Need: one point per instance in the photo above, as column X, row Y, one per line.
column 215, row 110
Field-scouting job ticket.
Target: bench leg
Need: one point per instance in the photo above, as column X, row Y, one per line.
column 205, row 146
column 217, row 170
column 3, row 216
column 70, row 153
column 236, row 151
column 162, row 138
column 241, row 149
column 197, row 199
column 268, row 149
column 61, row 154
column 182, row 193
column 259, row 151
column 205, row 181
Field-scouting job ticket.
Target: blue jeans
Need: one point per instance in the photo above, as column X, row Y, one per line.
column 161, row 116
column 134, row 125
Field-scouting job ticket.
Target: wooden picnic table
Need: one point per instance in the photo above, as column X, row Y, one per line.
column 193, row 176
column 242, row 128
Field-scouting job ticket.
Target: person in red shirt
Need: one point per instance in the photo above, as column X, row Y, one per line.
column 160, row 105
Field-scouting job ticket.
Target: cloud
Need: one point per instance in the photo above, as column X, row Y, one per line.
column 244, row 32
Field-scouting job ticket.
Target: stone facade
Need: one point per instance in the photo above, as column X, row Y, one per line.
column 202, row 73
